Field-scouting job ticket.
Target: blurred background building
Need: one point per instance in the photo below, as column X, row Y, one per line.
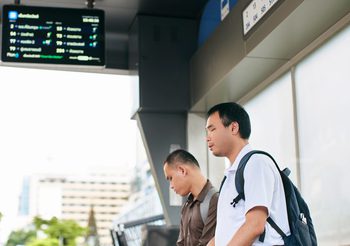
column 71, row 196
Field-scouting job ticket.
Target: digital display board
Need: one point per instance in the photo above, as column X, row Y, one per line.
column 53, row 35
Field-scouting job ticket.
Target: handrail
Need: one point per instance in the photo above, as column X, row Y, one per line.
column 129, row 233
column 143, row 221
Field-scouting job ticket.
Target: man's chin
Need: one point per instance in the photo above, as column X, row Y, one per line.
column 183, row 194
column 215, row 153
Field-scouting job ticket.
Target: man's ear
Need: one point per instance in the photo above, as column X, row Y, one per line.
column 234, row 127
column 182, row 170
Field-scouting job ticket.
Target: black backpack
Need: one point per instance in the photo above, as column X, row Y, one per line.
column 300, row 222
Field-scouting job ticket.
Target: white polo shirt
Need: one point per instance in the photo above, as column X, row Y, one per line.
column 262, row 187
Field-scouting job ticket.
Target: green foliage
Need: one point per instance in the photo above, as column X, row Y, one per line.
column 39, row 222
column 0, row 216
column 58, row 233
column 20, row 237
column 65, row 231
column 44, row 242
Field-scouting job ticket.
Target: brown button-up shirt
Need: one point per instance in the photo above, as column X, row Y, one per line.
column 193, row 231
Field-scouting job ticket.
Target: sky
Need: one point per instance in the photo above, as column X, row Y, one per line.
column 55, row 121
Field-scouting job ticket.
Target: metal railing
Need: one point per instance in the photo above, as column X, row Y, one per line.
column 130, row 233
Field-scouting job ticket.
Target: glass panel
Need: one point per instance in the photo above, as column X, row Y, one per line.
column 271, row 114
column 322, row 83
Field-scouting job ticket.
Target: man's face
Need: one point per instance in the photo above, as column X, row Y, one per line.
column 178, row 179
column 218, row 136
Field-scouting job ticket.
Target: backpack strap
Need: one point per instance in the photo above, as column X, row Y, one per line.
column 276, row 227
column 222, row 183
column 239, row 179
column 204, row 206
column 239, row 182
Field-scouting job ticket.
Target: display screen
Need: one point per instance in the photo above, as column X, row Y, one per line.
column 53, row 35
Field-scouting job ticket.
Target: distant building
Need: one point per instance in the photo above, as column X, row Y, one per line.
column 72, row 196
column 23, row 208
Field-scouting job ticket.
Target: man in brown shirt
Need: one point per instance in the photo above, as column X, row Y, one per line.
column 198, row 214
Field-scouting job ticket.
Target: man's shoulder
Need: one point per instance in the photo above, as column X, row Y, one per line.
column 207, row 188
column 260, row 156
column 261, row 160
column 211, row 198
column 212, row 192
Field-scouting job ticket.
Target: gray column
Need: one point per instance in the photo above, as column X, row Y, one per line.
column 159, row 52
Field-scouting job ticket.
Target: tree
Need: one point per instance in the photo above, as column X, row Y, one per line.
column 57, row 232
column 20, row 237
column 44, row 242
column 65, row 231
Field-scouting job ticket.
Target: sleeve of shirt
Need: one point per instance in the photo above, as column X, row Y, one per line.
column 259, row 183
column 208, row 231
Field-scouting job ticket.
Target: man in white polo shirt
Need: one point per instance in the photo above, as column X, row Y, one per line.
column 228, row 131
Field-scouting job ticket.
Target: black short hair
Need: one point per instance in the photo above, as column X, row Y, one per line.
column 232, row 112
column 181, row 155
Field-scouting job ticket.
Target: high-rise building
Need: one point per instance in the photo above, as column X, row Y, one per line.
column 23, row 208
column 72, row 196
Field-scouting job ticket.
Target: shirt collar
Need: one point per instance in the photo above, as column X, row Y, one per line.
column 239, row 157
